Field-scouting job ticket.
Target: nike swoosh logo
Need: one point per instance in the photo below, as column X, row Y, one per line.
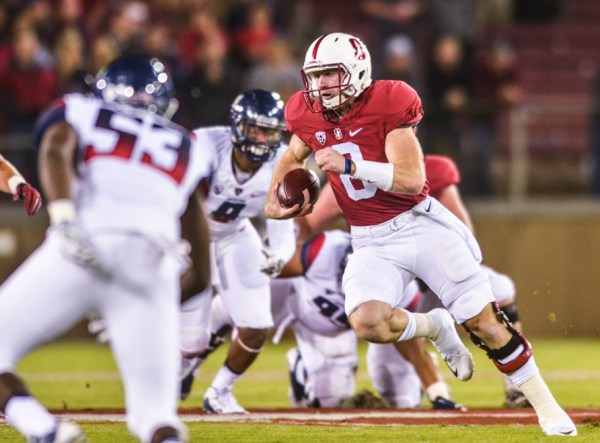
column 428, row 207
column 353, row 133
column 454, row 371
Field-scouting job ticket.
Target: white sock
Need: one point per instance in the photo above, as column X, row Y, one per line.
column 425, row 326
column 540, row 397
column 411, row 327
column 225, row 379
column 438, row 389
column 524, row 373
column 29, row 417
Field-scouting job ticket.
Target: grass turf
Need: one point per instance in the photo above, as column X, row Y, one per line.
column 82, row 375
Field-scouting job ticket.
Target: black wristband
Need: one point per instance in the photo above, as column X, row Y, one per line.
column 348, row 166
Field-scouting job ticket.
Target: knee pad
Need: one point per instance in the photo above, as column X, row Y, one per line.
column 498, row 356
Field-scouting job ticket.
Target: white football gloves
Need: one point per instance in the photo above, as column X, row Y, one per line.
column 97, row 327
column 272, row 265
column 74, row 243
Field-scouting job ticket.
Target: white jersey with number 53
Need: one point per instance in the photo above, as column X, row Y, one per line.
column 136, row 170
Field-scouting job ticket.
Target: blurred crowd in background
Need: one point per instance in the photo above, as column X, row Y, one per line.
column 454, row 52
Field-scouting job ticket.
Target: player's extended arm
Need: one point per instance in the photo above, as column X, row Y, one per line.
column 451, row 199
column 194, row 229
column 294, row 157
column 12, row 182
column 57, row 153
column 7, row 172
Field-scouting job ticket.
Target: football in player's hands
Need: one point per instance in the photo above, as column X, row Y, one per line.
column 298, row 187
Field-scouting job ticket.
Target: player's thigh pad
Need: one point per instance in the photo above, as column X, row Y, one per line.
column 448, row 262
column 503, row 287
column 372, row 275
column 243, row 287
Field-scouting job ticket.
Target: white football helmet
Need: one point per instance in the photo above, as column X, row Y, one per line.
column 349, row 56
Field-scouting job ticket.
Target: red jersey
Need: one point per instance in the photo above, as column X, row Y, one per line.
column 360, row 134
column 441, row 172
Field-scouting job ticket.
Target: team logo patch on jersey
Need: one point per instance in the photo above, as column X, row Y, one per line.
column 321, row 137
column 337, row 132
column 238, row 191
column 217, row 189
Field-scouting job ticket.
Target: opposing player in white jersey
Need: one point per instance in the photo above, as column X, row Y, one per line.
column 12, row 182
column 322, row 369
column 121, row 183
column 323, row 366
column 246, row 152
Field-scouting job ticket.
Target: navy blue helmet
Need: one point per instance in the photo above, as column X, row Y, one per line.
column 257, row 124
column 140, row 81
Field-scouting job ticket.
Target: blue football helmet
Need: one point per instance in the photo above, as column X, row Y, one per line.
column 140, row 81
column 257, row 124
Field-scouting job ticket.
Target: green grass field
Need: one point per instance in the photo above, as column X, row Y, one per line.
column 82, row 375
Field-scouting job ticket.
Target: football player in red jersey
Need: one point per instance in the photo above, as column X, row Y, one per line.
column 363, row 136
column 443, row 177
column 12, row 182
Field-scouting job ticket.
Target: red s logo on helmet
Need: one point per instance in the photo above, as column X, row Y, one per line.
column 359, row 50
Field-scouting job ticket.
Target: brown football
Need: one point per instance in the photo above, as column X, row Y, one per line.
column 299, row 186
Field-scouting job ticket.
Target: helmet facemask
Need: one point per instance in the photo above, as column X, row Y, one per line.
column 332, row 96
column 257, row 143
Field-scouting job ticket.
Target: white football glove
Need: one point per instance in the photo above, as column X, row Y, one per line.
column 272, row 265
column 75, row 245
column 97, row 327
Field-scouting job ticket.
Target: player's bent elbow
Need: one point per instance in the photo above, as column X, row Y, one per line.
column 411, row 187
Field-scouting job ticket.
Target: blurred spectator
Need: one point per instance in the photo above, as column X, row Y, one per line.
column 28, row 84
column 277, row 72
column 103, row 51
column 399, row 61
column 390, row 18
column 446, row 99
column 458, row 18
column 206, row 94
column 495, row 14
column 70, row 62
column 127, row 25
column 160, row 42
column 68, row 14
column 38, row 15
column 250, row 41
column 201, row 34
column 496, row 88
